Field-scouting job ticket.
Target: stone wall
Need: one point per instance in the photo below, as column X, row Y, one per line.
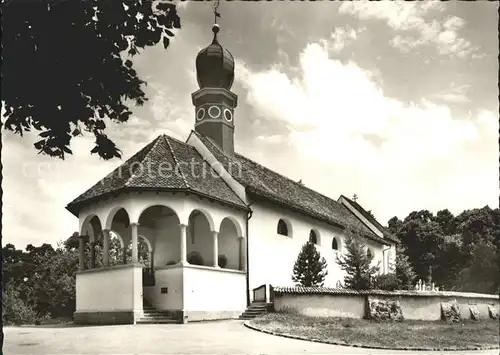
column 382, row 305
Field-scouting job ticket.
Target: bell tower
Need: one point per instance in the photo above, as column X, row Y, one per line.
column 214, row 102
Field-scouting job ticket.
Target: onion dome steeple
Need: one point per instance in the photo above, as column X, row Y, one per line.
column 215, row 65
column 214, row 102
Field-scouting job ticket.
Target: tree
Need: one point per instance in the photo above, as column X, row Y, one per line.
column 357, row 264
column 482, row 273
column 310, row 267
column 421, row 236
column 63, row 72
column 447, row 222
column 404, row 270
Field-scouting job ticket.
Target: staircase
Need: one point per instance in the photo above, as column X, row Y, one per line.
column 255, row 309
column 153, row 316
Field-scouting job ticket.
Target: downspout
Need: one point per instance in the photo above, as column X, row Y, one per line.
column 386, row 265
column 249, row 215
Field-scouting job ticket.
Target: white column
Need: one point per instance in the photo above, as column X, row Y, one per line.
column 105, row 243
column 183, row 228
column 215, row 249
column 135, row 254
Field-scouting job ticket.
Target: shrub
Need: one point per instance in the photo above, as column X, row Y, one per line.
column 15, row 310
column 387, row 282
column 222, row 261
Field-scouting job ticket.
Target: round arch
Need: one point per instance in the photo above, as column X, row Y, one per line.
column 315, row 237
column 114, row 234
column 336, row 244
column 91, row 225
column 111, row 216
column 144, row 208
column 229, row 245
column 207, row 215
column 147, row 241
column 284, row 227
column 236, row 224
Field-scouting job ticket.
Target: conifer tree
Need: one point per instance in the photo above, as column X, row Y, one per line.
column 357, row 264
column 403, row 269
column 310, row 267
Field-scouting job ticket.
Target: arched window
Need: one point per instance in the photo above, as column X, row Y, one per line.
column 312, row 237
column 282, row 227
column 335, row 245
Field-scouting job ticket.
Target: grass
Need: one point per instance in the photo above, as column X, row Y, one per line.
column 413, row 334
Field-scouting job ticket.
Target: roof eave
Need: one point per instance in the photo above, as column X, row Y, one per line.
column 75, row 207
column 255, row 193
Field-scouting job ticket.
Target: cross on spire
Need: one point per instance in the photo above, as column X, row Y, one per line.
column 355, row 197
column 216, row 14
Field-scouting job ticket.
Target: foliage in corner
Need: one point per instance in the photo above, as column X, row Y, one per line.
column 309, row 269
column 63, row 70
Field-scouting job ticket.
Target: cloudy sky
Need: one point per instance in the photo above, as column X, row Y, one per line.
column 396, row 102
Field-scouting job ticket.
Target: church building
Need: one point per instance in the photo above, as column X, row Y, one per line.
column 220, row 229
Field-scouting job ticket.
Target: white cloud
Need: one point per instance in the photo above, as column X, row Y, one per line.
column 454, row 94
column 411, row 21
column 340, row 37
column 426, row 159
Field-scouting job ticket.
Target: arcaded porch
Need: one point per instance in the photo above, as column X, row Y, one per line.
column 186, row 257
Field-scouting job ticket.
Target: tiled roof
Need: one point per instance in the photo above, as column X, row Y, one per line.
column 165, row 164
column 372, row 220
column 301, row 290
column 262, row 182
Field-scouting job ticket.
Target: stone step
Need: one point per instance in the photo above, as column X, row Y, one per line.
column 246, row 314
column 157, row 321
column 156, row 316
column 255, row 311
column 252, row 314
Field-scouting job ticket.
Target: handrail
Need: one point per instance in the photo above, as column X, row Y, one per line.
column 256, row 293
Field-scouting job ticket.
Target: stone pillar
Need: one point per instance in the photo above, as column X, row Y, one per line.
column 135, row 244
column 152, row 259
column 243, row 264
column 183, row 260
column 215, row 249
column 81, row 249
column 124, row 255
column 105, row 251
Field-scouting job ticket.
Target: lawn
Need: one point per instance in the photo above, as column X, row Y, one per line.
column 414, row 334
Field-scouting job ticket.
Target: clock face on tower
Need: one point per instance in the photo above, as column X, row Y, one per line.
column 200, row 114
column 214, row 112
column 228, row 115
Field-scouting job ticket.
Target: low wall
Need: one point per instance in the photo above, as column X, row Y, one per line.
column 415, row 305
column 111, row 295
column 211, row 293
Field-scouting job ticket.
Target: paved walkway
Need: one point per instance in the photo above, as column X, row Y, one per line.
column 222, row 337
